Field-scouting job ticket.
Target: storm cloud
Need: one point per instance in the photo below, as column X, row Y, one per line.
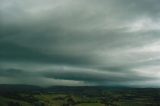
column 80, row 42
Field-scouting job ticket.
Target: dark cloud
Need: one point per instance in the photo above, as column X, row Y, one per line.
column 79, row 42
column 11, row 72
column 18, row 53
column 95, row 77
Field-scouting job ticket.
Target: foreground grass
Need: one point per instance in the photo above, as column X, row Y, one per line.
column 90, row 104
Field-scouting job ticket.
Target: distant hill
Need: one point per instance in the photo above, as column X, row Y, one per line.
column 57, row 89
column 18, row 88
column 66, row 89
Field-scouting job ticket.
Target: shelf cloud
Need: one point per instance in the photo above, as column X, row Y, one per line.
column 80, row 42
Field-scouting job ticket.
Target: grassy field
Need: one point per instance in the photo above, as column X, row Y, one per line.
column 4, row 102
column 61, row 99
column 90, row 104
column 84, row 97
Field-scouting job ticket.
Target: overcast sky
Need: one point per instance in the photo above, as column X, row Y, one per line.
column 80, row 42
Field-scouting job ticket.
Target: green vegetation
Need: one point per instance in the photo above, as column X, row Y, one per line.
column 83, row 97
column 90, row 104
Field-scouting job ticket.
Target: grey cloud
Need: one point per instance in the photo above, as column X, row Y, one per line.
column 95, row 76
column 112, row 37
column 11, row 72
column 17, row 53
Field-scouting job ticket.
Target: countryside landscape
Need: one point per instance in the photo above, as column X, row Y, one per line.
column 25, row 95
column 79, row 52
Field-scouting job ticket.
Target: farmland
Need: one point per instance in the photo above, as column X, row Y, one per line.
column 79, row 96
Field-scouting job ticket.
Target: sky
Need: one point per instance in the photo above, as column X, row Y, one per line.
column 80, row 42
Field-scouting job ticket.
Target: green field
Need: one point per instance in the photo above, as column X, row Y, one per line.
column 83, row 96
column 61, row 99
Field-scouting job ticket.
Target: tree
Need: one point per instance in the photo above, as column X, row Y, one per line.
column 11, row 103
column 109, row 100
column 69, row 101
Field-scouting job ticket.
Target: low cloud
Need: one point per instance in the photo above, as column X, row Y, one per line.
column 87, row 42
